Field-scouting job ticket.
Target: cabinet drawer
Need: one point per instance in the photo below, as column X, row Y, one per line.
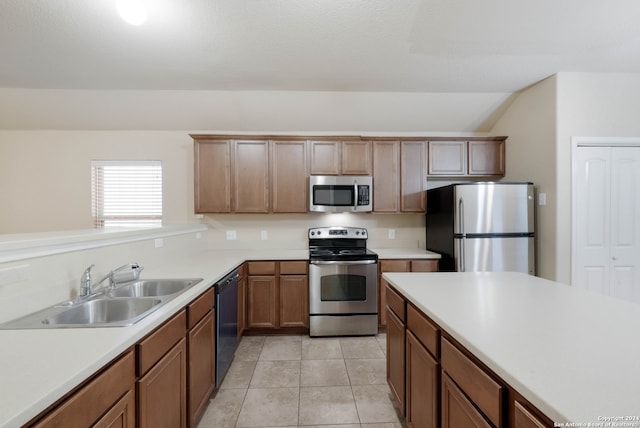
column 397, row 304
column 424, row 266
column 525, row 419
column 199, row 307
column 476, row 384
column 423, row 329
column 154, row 346
column 294, row 268
column 262, row 268
column 87, row 405
column 395, row 266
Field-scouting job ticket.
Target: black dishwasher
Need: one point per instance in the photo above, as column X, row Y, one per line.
column 226, row 323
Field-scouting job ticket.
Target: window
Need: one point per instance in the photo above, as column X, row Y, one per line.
column 126, row 193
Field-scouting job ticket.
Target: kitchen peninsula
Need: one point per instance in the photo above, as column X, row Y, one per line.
column 545, row 351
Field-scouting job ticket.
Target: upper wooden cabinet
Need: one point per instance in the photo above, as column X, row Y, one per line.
column 467, row 158
column 340, row 157
column 212, row 176
column 251, row 176
column 386, row 176
column 289, row 174
column 413, row 176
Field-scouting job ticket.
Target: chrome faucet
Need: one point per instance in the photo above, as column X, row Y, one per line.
column 86, row 284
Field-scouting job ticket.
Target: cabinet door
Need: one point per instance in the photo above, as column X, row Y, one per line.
column 325, row 157
column 386, row 176
column 251, row 177
column 356, row 157
column 486, row 157
column 262, row 302
column 162, row 391
column 413, row 170
column 202, row 365
column 294, row 301
column 457, row 410
column 122, row 414
column 388, row 266
column 396, row 337
column 212, row 184
column 289, row 173
column 523, row 418
column 423, row 380
column 447, row 157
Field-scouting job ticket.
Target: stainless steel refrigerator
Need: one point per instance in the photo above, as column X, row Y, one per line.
column 482, row 227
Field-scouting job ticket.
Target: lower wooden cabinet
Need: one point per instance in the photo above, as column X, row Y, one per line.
column 523, row 418
column 162, row 392
column 104, row 400
column 277, row 295
column 202, row 366
column 396, row 337
column 457, row 410
column 422, row 385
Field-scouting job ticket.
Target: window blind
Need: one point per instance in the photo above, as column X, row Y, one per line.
column 126, row 193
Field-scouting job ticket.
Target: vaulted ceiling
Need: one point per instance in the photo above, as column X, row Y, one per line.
column 318, row 45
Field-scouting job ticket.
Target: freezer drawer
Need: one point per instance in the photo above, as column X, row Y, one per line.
column 495, row 254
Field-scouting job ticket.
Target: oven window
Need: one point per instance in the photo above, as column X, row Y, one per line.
column 343, row 288
column 325, row 194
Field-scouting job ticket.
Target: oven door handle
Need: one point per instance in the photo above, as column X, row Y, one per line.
column 342, row 262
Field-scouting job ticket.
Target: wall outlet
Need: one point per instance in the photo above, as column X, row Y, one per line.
column 542, row 199
column 231, row 235
column 199, row 216
column 392, row 234
column 263, row 235
column 198, row 235
column 158, row 242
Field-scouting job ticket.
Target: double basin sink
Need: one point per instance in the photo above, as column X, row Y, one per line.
column 120, row 306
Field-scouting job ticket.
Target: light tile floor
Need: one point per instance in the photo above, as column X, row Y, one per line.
column 298, row 381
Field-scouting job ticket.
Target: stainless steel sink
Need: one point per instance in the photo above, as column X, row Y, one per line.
column 153, row 287
column 104, row 312
column 122, row 306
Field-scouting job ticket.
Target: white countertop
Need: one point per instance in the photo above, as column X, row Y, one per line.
column 573, row 354
column 37, row 367
column 404, row 253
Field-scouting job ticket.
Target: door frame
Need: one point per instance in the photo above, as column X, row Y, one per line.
column 576, row 144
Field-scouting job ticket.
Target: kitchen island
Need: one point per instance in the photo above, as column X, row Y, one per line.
column 572, row 354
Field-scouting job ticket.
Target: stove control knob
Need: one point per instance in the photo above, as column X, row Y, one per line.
column 312, row 233
column 357, row 232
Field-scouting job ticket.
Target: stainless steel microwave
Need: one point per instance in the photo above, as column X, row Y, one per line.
column 340, row 193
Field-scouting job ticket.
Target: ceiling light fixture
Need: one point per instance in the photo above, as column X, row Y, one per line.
column 133, row 12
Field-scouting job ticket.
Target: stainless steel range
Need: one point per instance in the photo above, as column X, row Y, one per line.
column 343, row 283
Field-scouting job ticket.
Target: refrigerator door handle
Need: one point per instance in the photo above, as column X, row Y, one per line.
column 461, row 241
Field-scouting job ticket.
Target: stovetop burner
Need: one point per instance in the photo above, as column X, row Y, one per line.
column 339, row 244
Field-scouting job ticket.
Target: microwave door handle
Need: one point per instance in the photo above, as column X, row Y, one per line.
column 355, row 195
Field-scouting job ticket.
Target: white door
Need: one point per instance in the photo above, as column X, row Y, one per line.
column 607, row 229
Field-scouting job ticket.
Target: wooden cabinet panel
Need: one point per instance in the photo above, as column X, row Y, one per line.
column 427, row 333
column 242, row 305
column 156, row 344
column 162, row 392
column 294, row 268
column 486, row 157
column 356, row 158
column 396, row 303
column 199, row 307
column 122, row 414
column 202, row 363
column 413, row 180
column 212, row 176
column 396, row 337
column 262, row 268
column 386, row 176
column 289, row 174
column 423, row 385
column 86, row 406
column 251, row 176
column 447, row 157
column 457, row 410
column 476, row 384
column 325, row 157
column 388, row 266
column 262, row 302
column 525, row 419
column 294, row 301
column 424, row 265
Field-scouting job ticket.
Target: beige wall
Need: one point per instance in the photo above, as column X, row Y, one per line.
column 45, row 176
column 530, row 123
column 589, row 105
